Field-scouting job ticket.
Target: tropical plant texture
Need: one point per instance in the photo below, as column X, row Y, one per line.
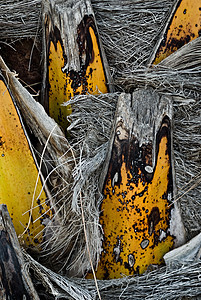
column 70, row 162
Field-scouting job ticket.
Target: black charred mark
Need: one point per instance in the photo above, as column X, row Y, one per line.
column 127, row 266
column 55, row 37
column 86, row 55
column 135, row 158
column 84, row 40
column 175, row 43
column 153, row 219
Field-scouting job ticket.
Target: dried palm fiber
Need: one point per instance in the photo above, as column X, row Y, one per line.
column 53, row 143
column 108, row 13
column 77, row 261
column 91, row 123
column 163, row 283
column 19, row 19
column 128, row 29
column 66, row 232
column 93, row 139
column 179, row 75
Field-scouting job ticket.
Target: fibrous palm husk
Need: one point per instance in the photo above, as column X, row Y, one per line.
column 94, row 134
column 129, row 29
column 20, row 19
column 163, row 283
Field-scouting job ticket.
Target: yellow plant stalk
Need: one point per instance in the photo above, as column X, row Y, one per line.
column 135, row 212
column 183, row 26
column 18, row 175
column 63, row 84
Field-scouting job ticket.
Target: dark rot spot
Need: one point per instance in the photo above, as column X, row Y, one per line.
column 184, row 12
column 156, row 239
column 1, row 142
column 153, row 219
column 164, row 196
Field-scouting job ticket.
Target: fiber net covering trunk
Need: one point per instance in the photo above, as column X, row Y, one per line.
column 20, row 19
column 129, row 31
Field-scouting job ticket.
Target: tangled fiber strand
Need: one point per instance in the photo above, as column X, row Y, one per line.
column 187, row 144
column 90, row 128
column 179, row 74
column 55, row 285
column 129, row 30
column 164, row 283
column 19, row 19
